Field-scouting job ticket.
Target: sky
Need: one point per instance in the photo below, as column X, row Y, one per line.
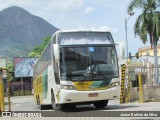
column 85, row 14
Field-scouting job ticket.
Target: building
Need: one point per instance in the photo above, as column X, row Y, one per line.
column 148, row 51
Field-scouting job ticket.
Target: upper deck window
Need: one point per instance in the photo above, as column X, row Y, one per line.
column 71, row 38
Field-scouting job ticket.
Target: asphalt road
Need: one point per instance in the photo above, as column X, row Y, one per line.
column 26, row 103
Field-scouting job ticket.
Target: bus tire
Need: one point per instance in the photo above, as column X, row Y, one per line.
column 101, row 104
column 55, row 107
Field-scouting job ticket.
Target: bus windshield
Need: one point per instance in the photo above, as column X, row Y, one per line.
column 88, row 63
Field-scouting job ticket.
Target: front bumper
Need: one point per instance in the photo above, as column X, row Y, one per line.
column 74, row 96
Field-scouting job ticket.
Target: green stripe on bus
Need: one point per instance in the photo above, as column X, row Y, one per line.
column 45, row 83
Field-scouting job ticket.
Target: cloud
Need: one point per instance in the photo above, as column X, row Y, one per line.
column 51, row 10
column 48, row 5
column 64, row 5
column 69, row 6
column 88, row 10
column 107, row 28
column 104, row 28
column 107, row 1
column 26, row 4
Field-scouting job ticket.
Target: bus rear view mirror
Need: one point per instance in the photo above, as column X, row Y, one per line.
column 56, row 52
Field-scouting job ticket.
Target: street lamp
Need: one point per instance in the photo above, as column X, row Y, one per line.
column 126, row 20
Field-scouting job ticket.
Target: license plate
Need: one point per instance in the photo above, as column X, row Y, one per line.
column 93, row 95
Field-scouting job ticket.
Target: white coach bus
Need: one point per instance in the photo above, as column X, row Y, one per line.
column 77, row 67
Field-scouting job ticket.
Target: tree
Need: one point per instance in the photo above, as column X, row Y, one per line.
column 10, row 67
column 137, row 55
column 37, row 50
column 148, row 24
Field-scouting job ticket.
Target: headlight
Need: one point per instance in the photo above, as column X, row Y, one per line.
column 115, row 84
column 68, row 87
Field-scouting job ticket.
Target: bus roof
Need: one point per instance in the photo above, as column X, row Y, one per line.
column 81, row 30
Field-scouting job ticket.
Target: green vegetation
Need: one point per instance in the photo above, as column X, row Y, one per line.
column 137, row 55
column 148, row 24
column 37, row 50
column 10, row 66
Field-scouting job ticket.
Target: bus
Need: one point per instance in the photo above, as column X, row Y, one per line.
column 77, row 67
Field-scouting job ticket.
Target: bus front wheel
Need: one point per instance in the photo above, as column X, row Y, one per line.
column 101, row 104
column 55, row 107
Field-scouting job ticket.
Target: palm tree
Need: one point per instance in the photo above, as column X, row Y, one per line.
column 148, row 24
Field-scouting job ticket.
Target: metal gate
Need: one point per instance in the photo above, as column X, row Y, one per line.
column 150, row 89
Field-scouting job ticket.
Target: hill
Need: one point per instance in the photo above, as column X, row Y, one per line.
column 20, row 31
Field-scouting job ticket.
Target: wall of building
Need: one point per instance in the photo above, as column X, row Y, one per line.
column 148, row 51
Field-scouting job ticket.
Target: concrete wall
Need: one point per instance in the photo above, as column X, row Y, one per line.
column 149, row 93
